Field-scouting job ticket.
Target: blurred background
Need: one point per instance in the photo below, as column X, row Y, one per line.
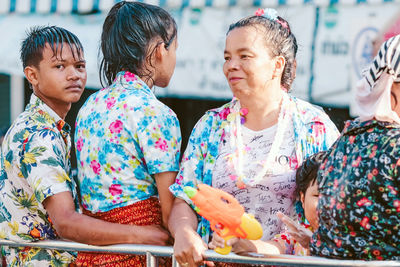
column 336, row 41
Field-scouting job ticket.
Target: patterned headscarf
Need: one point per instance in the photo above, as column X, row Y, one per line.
column 373, row 90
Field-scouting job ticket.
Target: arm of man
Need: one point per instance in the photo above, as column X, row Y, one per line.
column 163, row 181
column 73, row 226
column 189, row 248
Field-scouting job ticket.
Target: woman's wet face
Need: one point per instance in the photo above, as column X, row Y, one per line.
column 248, row 65
column 167, row 67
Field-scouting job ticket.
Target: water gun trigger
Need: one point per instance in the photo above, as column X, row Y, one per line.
column 218, row 227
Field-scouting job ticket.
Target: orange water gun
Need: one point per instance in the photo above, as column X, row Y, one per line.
column 226, row 216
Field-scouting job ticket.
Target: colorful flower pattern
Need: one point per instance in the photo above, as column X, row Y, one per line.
column 35, row 165
column 203, row 146
column 359, row 194
column 124, row 136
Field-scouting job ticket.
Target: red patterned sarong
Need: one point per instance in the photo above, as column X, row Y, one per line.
column 229, row 264
column 145, row 212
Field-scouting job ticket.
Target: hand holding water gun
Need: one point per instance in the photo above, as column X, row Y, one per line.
column 226, row 216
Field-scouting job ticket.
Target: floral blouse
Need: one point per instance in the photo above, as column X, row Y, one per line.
column 313, row 131
column 35, row 165
column 124, row 136
column 359, row 194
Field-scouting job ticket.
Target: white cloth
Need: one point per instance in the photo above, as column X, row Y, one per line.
column 275, row 191
column 373, row 94
column 376, row 103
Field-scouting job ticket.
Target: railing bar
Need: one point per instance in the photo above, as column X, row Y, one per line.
column 151, row 261
column 288, row 260
column 291, row 260
column 71, row 246
column 174, row 262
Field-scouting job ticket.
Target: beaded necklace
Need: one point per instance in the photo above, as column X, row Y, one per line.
column 236, row 142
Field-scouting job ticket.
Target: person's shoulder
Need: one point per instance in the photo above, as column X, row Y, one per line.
column 220, row 109
column 393, row 132
column 309, row 112
column 212, row 119
column 37, row 139
column 389, row 141
column 23, row 126
column 218, row 114
column 161, row 106
column 307, row 108
column 91, row 100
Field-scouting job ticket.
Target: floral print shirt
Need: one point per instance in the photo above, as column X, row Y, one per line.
column 124, row 136
column 359, row 189
column 313, row 131
column 35, row 165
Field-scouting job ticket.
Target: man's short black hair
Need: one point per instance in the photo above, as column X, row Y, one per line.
column 37, row 37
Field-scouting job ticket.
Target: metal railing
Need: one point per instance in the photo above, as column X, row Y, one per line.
column 152, row 252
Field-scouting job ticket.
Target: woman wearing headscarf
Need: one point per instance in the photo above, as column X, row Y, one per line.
column 359, row 180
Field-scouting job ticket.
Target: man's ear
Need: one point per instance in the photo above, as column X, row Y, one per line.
column 31, row 74
column 280, row 63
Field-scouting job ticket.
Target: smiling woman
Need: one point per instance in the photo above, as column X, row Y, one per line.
column 237, row 147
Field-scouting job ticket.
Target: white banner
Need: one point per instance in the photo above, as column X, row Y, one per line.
column 343, row 48
column 200, row 56
column 201, row 37
column 13, row 30
column 365, row 32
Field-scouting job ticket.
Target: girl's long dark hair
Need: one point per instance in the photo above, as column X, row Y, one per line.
column 128, row 31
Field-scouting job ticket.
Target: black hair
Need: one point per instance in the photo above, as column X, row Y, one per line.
column 306, row 174
column 280, row 39
column 128, row 31
column 37, row 38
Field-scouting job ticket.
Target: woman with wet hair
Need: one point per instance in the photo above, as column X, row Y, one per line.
column 252, row 146
column 127, row 141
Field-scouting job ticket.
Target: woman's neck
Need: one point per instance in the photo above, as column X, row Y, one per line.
column 148, row 81
column 263, row 112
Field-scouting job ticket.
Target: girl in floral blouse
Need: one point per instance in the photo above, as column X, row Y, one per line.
column 252, row 146
column 359, row 182
column 127, row 141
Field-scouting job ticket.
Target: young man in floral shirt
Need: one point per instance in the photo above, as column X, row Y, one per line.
column 37, row 196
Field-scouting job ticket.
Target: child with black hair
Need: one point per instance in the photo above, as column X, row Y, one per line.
column 127, row 141
column 295, row 240
column 297, row 237
column 38, row 199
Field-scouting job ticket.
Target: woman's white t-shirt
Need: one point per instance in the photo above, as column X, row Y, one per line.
column 274, row 192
